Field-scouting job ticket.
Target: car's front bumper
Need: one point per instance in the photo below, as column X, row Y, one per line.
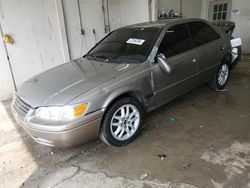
column 61, row 134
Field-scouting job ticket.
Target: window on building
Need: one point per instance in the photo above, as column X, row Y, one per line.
column 220, row 12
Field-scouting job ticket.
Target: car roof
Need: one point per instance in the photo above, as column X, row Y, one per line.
column 160, row 23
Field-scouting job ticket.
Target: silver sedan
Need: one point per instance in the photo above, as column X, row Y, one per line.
column 129, row 73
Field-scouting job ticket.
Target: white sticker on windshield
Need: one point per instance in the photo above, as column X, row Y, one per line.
column 135, row 41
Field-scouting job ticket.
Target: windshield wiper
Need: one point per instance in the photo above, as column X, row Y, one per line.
column 89, row 55
column 103, row 57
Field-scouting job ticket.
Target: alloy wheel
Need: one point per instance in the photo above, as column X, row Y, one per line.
column 223, row 74
column 125, row 122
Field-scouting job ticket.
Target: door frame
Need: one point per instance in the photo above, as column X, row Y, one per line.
column 6, row 54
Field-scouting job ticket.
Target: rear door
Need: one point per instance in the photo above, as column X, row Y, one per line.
column 176, row 46
column 210, row 47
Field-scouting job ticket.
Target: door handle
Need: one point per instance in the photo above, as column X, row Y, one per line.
column 222, row 48
column 191, row 61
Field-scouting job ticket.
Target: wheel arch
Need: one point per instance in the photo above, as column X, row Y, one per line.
column 122, row 94
column 127, row 91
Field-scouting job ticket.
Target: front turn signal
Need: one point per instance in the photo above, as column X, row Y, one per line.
column 80, row 110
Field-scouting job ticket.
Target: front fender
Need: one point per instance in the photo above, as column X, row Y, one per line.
column 137, row 84
column 127, row 90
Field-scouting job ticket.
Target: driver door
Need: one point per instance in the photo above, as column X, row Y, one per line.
column 177, row 48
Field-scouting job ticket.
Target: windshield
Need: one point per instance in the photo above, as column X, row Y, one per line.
column 126, row 45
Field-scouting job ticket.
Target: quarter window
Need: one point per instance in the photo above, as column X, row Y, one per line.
column 202, row 33
column 175, row 41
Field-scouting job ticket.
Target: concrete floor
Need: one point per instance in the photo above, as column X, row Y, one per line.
column 205, row 136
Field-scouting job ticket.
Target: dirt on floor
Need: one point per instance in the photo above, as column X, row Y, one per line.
column 201, row 139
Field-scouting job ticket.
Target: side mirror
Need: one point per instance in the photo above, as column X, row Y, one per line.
column 163, row 63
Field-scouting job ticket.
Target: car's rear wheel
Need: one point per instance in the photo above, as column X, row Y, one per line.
column 122, row 122
column 221, row 78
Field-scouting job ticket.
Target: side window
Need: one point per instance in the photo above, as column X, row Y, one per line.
column 175, row 41
column 202, row 33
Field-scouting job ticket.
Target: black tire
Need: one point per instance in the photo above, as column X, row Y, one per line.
column 214, row 84
column 105, row 132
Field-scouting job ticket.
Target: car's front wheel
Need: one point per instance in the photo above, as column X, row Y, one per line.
column 122, row 122
column 221, row 78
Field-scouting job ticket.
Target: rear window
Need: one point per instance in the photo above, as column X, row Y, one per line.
column 202, row 33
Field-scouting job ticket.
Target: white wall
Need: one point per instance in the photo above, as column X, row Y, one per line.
column 242, row 23
column 121, row 13
column 37, row 47
column 47, row 32
column 204, row 9
column 190, row 8
column 92, row 17
column 126, row 12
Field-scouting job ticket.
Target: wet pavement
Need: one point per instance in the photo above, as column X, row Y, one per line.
column 201, row 139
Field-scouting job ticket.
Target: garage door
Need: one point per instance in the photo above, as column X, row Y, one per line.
column 84, row 25
column 33, row 25
column 93, row 15
column 122, row 13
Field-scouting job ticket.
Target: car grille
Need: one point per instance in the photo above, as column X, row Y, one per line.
column 21, row 107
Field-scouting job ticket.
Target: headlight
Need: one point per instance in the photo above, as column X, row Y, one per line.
column 61, row 113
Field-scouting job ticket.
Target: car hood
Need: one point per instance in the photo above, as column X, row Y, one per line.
column 58, row 86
